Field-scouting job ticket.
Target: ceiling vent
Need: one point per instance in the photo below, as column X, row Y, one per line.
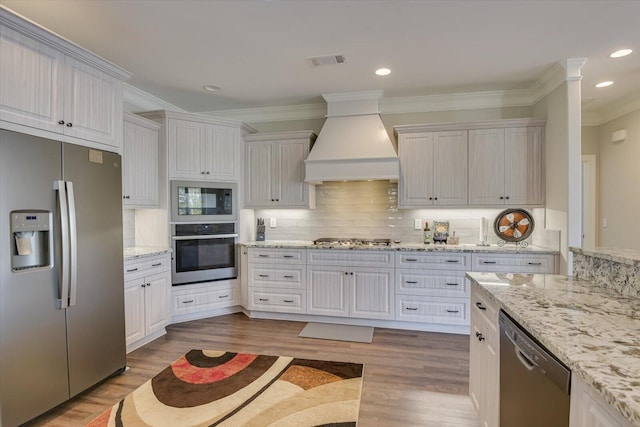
column 319, row 61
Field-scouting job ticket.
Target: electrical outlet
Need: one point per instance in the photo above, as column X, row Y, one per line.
column 604, row 223
column 272, row 222
column 417, row 224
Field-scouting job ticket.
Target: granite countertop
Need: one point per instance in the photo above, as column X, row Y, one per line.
column 136, row 252
column 592, row 330
column 624, row 256
column 418, row 247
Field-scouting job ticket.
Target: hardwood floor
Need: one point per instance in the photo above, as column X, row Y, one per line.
column 410, row 378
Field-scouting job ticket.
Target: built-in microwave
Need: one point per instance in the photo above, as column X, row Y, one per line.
column 201, row 201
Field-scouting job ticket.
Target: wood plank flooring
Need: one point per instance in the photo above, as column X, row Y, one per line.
column 410, row 378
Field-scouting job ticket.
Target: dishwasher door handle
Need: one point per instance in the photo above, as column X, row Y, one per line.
column 524, row 358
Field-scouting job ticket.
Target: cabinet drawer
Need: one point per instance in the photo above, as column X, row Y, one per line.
column 285, row 276
column 449, row 311
column 282, row 301
column 443, row 283
column 516, row 263
column 351, row 258
column 276, row 256
column 486, row 311
column 147, row 266
column 207, row 299
column 434, row 261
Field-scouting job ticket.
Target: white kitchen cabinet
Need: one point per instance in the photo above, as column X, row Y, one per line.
column 589, row 409
column 346, row 284
column 49, row 84
column 140, row 162
column 146, row 289
column 517, row 263
column 484, row 359
column 275, row 170
column 203, row 151
column 506, row 166
column 201, row 300
column 431, row 287
column 433, row 169
column 277, row 280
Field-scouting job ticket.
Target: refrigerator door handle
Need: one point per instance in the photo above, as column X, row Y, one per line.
column 63, row 286
column 73, row 240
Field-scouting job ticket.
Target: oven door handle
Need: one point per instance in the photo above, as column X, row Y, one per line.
column 211, row 236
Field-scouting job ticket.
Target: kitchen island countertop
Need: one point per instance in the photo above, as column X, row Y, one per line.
column 418, row 247
column 136, row 252
column 592, row 330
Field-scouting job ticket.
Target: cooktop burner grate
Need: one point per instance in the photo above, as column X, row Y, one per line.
column 331, row 241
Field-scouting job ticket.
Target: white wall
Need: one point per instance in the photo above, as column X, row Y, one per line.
column 619, row 183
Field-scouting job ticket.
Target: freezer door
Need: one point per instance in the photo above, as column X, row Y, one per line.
column 33, row 350
column 95, row 317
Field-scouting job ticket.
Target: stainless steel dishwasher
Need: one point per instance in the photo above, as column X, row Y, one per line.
column 534, row 384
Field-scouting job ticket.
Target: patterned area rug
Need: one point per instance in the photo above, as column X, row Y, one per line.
column 216, row 388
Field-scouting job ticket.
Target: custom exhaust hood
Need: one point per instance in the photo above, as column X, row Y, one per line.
column 353, row 144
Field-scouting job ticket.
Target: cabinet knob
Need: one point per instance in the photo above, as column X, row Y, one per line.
column 202, row 173
column 61, row 122
column 351, row 273
column 277, row 200
column 149, row 284
column 507, row 197
column 143, row 285
column 209, row 172
column 69, row 125
column 501, row 198
column 435, row 198
column 430, row 198
column 346, row 272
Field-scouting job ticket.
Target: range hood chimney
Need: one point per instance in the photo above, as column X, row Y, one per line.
column 353, row 144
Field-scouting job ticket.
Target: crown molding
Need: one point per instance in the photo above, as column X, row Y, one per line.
column 619, row 109
column 137, row 101
column 273, row 114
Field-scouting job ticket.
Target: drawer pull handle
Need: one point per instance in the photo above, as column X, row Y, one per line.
column 223, row 296
column 411, row 308
column 187, row 302
column 287, row 256
column 411, row 259
column 453, row 311
column 263, row 275
column 480, row 306
column 489, row 262
column 288, row 300
column 263, row 255
column 132, row 270
column 451, row 284
column 534, row 263
column 156, row 264
column 479, row 336
column 412, row 282
column 288, row 277
column 455, row 261
column 263, row 299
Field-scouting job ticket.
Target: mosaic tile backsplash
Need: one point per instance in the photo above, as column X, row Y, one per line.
column 369, row 209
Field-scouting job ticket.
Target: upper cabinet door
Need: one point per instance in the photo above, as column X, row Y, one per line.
column 186, row 149
column 292, row 190
column 31, row 82
column 93, row 104
column 450, row 168
column 416, row 174
column 486, row 166
column 524, row 172
column 222, row 152
column 258, row 174
column 140, row 166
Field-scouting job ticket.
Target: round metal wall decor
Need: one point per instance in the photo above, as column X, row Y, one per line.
column 513, row 225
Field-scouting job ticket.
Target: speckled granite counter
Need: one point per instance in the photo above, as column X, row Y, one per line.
column 591, row 329
column 301, row 244
column 137, row 252
column 611, row 268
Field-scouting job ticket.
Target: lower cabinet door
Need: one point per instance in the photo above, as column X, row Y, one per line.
column 328, row 290
column 156, row 302
column 134, row 310
column 372, row 294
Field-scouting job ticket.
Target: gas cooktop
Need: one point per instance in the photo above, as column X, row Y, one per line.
column 331, row 241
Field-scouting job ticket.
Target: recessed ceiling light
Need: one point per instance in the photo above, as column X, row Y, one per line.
column 383, row 72
column 211, row 88
column 620, row 53
column 604, row 84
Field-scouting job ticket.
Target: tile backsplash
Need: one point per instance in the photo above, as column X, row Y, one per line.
column 369, row 209
column 128, row 228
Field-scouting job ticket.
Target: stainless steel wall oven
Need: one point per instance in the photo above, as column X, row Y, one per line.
column 203, row 252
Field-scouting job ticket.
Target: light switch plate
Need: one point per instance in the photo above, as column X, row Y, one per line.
column 272, row 222
column 417, row 224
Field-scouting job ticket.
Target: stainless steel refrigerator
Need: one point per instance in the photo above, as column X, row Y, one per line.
column 61, row 273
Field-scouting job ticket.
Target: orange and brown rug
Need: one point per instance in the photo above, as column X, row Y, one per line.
column 217, row 388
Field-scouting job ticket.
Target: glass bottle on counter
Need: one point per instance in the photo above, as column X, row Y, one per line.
column 427, row 233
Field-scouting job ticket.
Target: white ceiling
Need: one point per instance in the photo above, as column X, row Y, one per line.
column 255, row 50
